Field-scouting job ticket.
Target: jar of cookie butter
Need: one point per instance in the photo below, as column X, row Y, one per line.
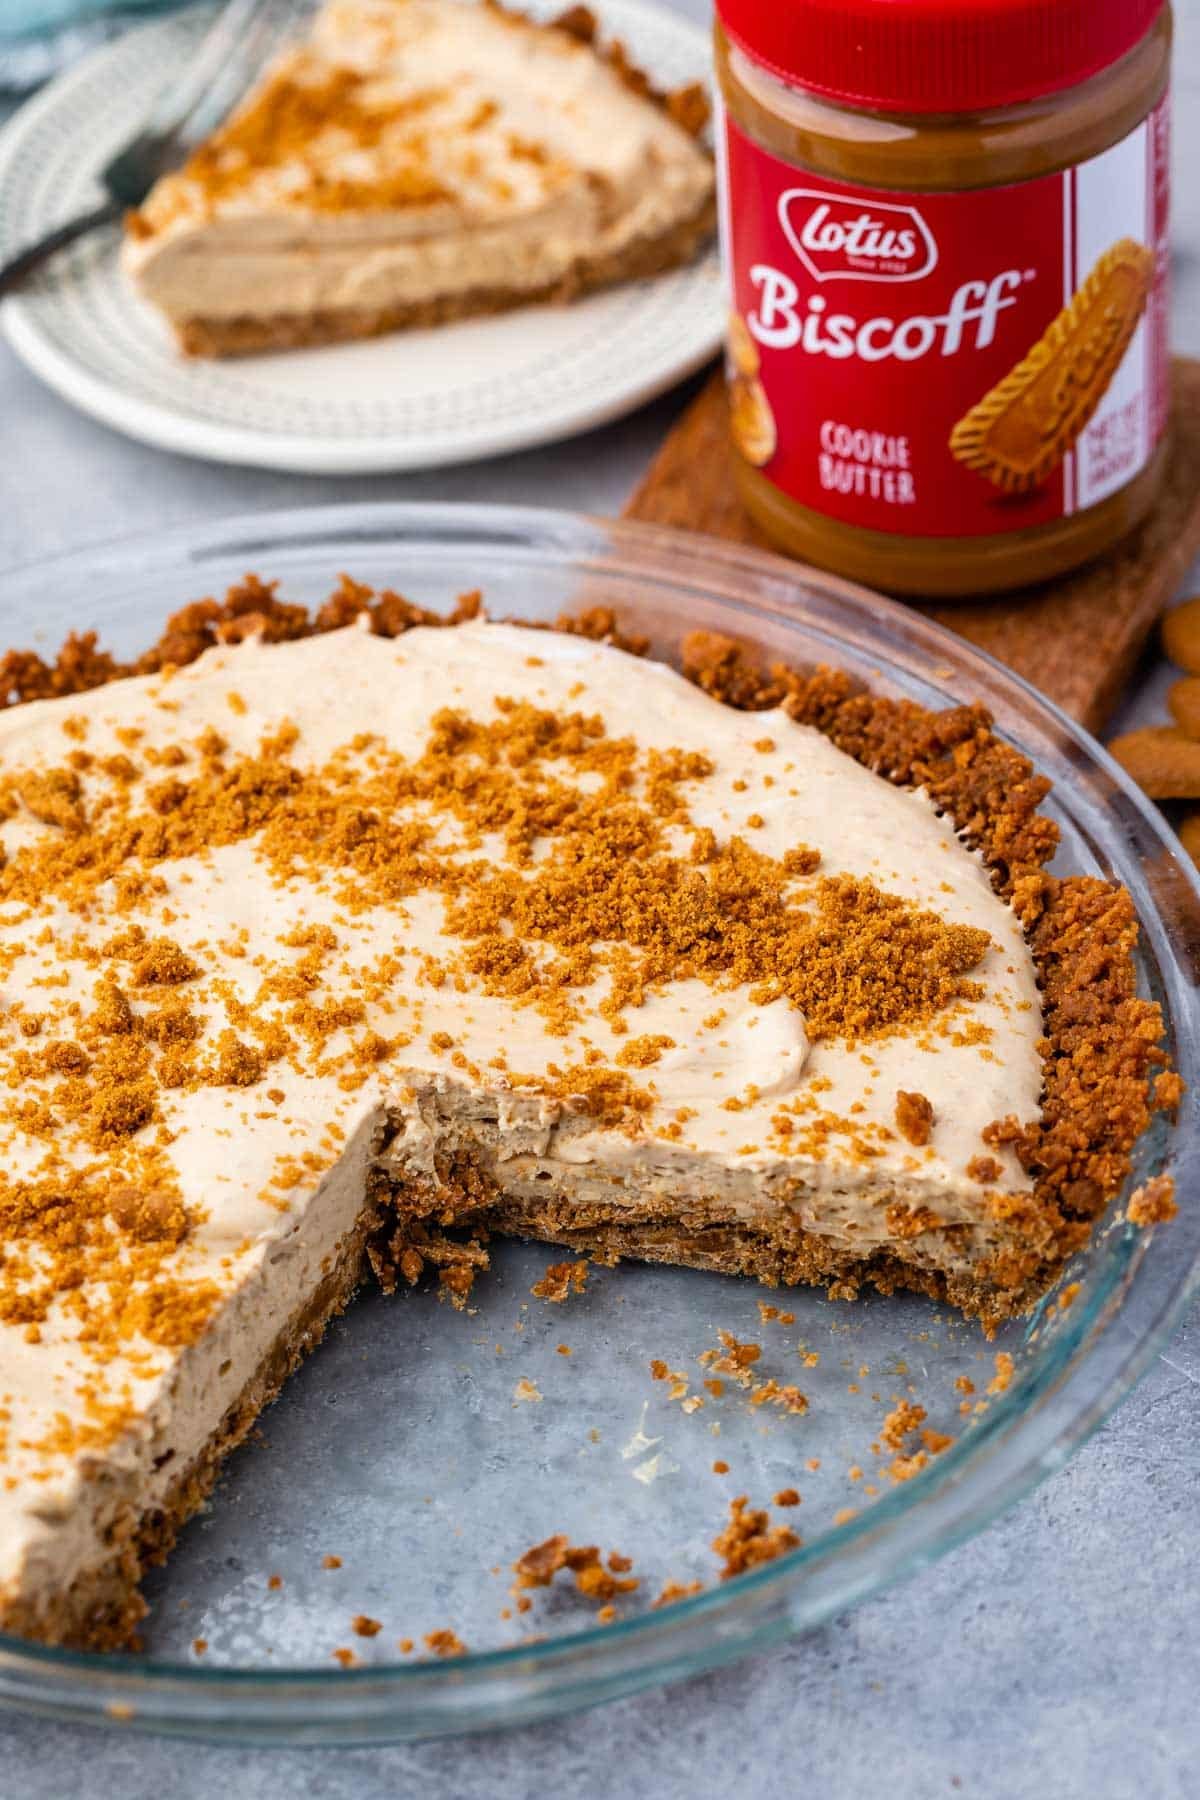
column 944, row 226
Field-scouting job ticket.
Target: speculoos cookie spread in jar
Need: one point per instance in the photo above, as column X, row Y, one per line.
column 944, row 225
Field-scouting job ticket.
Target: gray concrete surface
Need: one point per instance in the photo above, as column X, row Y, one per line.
column 1058, row 1653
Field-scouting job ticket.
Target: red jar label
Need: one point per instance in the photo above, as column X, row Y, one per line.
column 948, row 364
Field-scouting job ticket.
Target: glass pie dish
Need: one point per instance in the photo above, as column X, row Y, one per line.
column 420, row 1450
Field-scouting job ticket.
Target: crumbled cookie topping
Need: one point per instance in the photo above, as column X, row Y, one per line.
column 594, row 1580
column 749, row 1539
column 1154, row 1203
column 914, row 1117
column 560, row 1281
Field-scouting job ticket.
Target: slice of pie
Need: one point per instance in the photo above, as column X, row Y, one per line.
column 354, row 941
column 421, row 160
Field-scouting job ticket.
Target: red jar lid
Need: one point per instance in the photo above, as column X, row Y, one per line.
column 936, row 56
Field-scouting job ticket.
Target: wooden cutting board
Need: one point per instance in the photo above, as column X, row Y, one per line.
column 1077, row 639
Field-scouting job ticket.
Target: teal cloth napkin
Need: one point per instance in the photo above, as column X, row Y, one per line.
column 40, row 37
column 35, row 18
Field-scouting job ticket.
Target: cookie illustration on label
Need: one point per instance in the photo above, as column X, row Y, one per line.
column 743, row 351
column 1027, row 423
column 751, row 420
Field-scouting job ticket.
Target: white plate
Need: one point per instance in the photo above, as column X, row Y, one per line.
column 414, row 400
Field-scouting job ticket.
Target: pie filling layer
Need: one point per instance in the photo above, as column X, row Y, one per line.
column 364, row 942
column 416, row 160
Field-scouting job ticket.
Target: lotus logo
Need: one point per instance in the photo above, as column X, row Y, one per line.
column 856, row 240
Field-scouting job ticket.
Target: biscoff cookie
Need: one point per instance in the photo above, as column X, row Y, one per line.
column 1023, row 427
column 743, row 351
column 1184, row 702
column 1189, row 835
column 751, row 420
column 1181, row 635
column 1163, row 760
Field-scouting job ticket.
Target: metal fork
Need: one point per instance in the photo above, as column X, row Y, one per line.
column 229, row 56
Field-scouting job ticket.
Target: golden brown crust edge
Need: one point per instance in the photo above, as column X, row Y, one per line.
column 1101, row 1042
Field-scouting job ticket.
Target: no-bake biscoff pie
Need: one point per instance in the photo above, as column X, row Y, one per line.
column 416, row 161
column 349, row 942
